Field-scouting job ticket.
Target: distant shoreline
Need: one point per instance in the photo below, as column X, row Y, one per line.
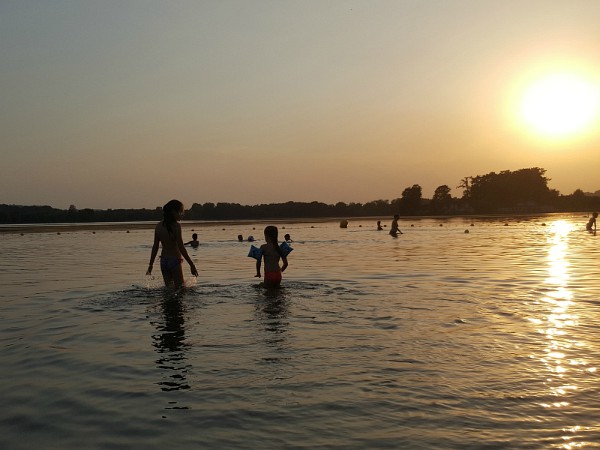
column 144, row 225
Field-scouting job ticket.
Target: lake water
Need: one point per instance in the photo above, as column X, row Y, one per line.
column 439, row 339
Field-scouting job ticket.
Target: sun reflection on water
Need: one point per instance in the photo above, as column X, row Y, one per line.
column 558, row 325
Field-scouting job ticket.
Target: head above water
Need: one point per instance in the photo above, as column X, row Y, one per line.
column 271, row 234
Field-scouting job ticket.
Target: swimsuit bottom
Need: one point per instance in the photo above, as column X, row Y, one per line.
column 273, row 277
column 169, row 263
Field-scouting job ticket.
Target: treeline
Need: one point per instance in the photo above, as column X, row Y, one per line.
column 506, row 192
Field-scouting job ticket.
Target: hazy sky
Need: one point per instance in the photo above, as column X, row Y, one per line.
column 110, row 104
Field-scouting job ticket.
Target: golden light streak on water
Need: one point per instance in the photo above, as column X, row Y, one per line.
column 559, row 326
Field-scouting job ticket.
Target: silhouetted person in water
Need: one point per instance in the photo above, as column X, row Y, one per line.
column 194, row 242
column 168, row 235
column 394, row 230
column 271, row 253
column 379, row 227
column 591, row 225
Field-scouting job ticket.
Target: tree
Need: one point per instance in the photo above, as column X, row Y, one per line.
column 411, row 200
column 72, row 214
column 510, row 190
column 442, row 200
column 465, row 185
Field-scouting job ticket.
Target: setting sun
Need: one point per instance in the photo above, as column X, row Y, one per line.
column 560, row 105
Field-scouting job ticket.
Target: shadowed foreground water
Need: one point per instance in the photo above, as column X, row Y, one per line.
column 439, row 339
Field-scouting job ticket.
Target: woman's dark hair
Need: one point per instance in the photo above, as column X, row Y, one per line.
column 169, row 211
column 271, row 234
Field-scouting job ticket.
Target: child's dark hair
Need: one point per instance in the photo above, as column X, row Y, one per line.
column 271, row 234
column 169, row 211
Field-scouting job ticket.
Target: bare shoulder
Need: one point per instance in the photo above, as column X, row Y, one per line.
column 158, row 228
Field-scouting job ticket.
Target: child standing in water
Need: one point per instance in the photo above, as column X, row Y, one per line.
column 271, row 253
column 168, row 234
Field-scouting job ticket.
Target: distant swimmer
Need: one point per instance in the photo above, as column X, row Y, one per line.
column 288, row 238
column 194, row 242
column 591, row 225
column 379, row 227
column 168, row 235
column 240, row 238
column 394, row 230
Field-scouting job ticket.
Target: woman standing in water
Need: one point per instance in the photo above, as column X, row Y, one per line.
column 271, row 253
column 168, row 234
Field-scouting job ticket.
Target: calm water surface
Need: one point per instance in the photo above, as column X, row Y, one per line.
column 439, row 339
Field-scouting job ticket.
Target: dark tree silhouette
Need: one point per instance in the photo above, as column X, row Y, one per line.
column 521, row 191
column 441, row 201
column 410, row 202
column 508, row 190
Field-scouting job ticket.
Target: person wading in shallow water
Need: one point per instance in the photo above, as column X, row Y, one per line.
column 271, row 253
column 591, row 225
column 168, row 235
column 394, row 230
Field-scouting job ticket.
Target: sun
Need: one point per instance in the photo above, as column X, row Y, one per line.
column 560, row 105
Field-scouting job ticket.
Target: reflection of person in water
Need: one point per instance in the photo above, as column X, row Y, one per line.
column 272, row 312
column 169, row 343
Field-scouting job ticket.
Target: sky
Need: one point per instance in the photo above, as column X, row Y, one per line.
column 128, row 104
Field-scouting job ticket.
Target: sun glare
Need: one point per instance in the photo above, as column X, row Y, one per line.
column 560, row 105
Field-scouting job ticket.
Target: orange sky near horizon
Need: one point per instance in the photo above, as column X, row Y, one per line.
column 130, row 104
